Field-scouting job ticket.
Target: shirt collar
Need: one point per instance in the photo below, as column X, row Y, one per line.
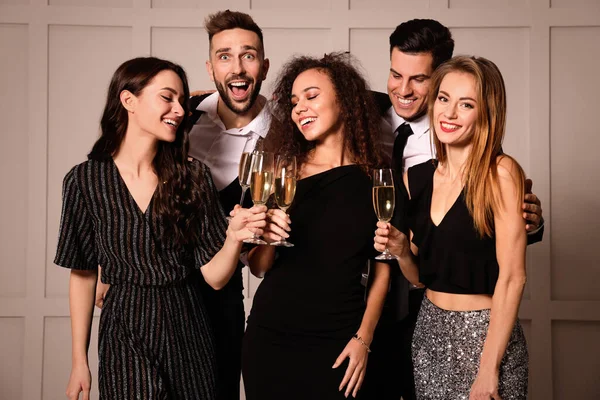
column 259, row 125
column 419, row 126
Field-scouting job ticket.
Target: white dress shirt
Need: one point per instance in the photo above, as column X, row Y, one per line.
column 220, row 148
column 419, row 147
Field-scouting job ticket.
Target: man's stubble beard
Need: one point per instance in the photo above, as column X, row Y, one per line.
column 223, row 93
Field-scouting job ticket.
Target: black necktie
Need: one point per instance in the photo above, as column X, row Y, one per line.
column 403, row 132
column 399, row 285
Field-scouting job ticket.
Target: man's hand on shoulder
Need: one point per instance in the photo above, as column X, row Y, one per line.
column 201, row 92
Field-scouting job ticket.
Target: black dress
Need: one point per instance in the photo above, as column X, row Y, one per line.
column 154, row 338
column 311, row 302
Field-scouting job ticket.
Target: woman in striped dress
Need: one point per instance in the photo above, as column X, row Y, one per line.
column 149, row 216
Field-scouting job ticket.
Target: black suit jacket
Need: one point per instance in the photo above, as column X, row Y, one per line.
column 194, row 116
column 396, row 305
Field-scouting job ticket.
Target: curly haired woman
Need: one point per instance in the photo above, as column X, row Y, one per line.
column 309, row 330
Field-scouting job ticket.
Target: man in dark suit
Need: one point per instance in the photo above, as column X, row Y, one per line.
column 417, row 48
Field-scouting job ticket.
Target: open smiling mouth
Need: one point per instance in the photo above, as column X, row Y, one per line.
column 448, row 127
column 307, row 121
column 405, row 102
column 239, row 89
column 174, row 124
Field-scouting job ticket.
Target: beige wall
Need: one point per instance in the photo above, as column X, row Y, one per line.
column 58, row 56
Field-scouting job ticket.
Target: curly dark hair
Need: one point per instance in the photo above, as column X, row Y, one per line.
column 358, row 111
column 178, row 197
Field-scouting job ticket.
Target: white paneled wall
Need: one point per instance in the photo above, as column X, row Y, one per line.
column 58, row 57
column 11, row 350
column 575, row 179
column 81, row 61
column 14, row 156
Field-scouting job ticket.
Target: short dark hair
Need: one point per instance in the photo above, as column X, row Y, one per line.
column 226, row 20
column 423, row 36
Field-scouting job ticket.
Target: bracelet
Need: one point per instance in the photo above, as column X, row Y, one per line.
column 361, row 341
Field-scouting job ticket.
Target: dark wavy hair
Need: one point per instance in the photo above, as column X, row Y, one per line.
column 358, row 112
column 423, row 36
column 178, row 196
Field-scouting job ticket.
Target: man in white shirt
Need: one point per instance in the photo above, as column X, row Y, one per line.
column 417, row 48
column 227, row 123
column 419, row 147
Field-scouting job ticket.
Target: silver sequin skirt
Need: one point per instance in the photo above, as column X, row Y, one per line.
column 446, row 349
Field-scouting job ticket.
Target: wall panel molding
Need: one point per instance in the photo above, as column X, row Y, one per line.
column 547, row 49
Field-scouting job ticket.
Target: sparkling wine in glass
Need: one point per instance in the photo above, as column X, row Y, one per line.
column 384, row 201
column 261, row 182
column 244, row 173
column 285, row 187
column 244, row 167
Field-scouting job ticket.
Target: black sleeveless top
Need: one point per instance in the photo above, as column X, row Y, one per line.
column 453, row 258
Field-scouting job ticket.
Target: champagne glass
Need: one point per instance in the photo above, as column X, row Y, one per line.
column 261, row 182
column 384, row 201
column 244, row 166
column 285, row 187
column 244, row 173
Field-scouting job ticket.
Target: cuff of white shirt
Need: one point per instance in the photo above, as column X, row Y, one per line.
column 540, row 226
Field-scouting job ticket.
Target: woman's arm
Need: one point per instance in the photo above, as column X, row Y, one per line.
column 397, row 243
column 357, row 348
column 82, row 290
column 511, row 243
column 375, row 301
column 260, row 260
column 221, row 267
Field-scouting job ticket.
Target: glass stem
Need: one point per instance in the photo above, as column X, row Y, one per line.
column 243, row 194
column 285, row 211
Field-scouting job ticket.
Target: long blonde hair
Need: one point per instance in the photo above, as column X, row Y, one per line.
column 480, row 172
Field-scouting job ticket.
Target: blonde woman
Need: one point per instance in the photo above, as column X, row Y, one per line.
column 467, row 243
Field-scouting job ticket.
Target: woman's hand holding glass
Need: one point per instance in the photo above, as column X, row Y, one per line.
column 387, row 237
column 278, row 226
column 246, row 223
column 384, row 202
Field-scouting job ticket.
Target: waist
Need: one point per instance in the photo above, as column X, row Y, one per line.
column 459, row 302
column 178, row 282
column 307, row 313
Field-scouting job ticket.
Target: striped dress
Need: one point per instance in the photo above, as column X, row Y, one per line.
column 154, row 338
